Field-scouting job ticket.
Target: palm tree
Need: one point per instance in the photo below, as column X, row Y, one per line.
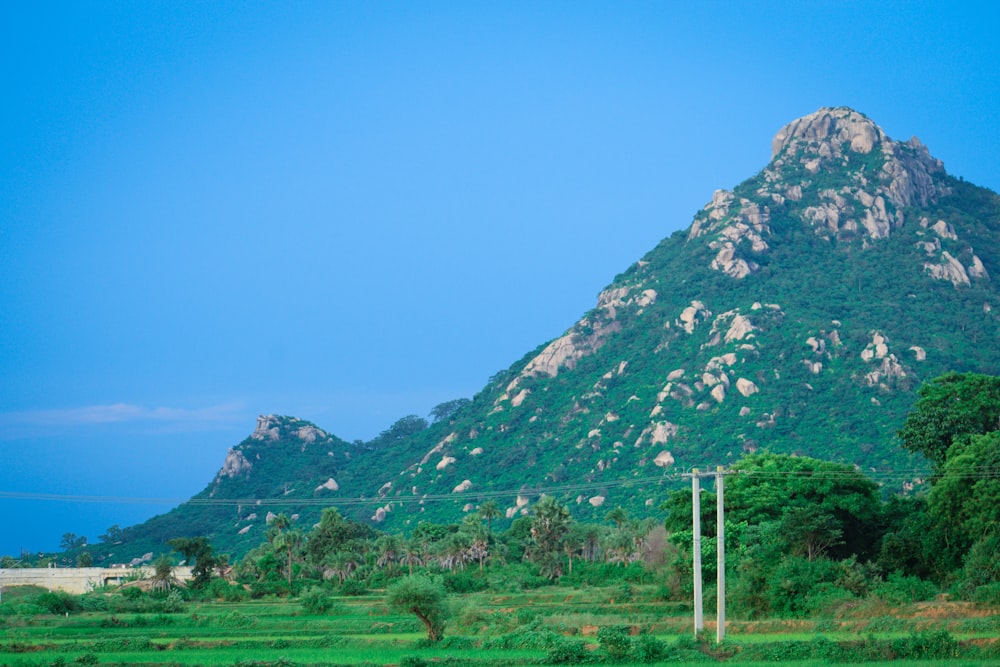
column 388, row 547
column 288, row 541
column 163, row 573
column 411, row 554
column 278, row 524
column 489, row 511
column 618, row 516
column 341, row 565
column 453, row 552
column 548, row 530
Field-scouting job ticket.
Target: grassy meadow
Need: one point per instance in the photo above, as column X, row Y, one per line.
column 558, row 625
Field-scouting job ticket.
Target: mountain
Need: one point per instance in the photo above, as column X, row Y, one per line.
column 797, row 313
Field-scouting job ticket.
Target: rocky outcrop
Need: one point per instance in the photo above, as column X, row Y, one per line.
column 235, row 464
column 267, row 428
column 830, row 127
column 328, row 485
column 733, row 232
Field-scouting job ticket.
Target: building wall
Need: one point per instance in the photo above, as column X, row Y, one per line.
column 78, row 580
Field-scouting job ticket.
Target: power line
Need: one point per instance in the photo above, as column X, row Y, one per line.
column 983, row 472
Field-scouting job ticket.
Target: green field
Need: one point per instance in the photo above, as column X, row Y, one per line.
column 560, row 625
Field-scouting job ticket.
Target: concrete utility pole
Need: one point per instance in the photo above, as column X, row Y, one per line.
column 699, row 621
column 720, row 616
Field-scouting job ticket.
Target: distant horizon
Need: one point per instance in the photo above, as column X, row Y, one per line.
column 352, row 213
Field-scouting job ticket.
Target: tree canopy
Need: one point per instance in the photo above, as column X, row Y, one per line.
column 950, row 406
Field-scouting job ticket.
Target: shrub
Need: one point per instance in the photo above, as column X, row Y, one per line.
column 235, row 619
column 649, row 649
column 987, row 595
column 353, row 587
column 464, row 582
column 316, row 601
column 567, row 652
column 899, row 589
column 173, row 603
column 57, row 603
column 615, row 641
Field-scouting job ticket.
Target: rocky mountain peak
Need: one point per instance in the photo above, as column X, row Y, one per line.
column 837, row 172
column 832, row 127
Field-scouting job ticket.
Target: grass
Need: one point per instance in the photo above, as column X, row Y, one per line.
column 486, row 630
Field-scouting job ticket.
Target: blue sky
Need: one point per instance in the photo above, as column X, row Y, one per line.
column 350, row 212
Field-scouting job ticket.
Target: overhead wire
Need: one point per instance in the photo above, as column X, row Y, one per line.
column 981, row 472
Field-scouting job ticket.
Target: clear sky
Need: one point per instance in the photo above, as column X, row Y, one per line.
column 352, row 211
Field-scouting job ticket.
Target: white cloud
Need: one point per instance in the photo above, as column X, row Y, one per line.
column 118, row 413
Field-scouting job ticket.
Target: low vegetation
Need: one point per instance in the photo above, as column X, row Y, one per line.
column 819, row 567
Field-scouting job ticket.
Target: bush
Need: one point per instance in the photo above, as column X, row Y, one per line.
column 649, row 649
column 986, row 595
column 57, row 603
column 567, row 652
column 464, row 582
column 353, row 587
column 898, row 590
column 316, row 601
column 235, row 619
column 615, row 641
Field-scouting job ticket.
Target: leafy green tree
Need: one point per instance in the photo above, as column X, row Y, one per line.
column 400, row 431
column 334, row 533
column 965, row 499
column 114, row 535
column 549, row 526
column 423, row 597
column 198, row 553
column 72, row 541
column 443, row 411
column 912, row 544
column 768, row 486
column 809, row 531
column 341, row 565
column 951, row 406
column 84, row 560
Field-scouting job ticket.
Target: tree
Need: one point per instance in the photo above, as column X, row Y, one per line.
column 163, row 573
column 341, row 565
column 950, row 406
column 398, row 432
column 489, row 510
column 199, row 555
column 388, row 548
column 411, row 554
column 113, row 536
column 809, row 531
column 423, row 597
column 72, row 541
column 84, row 560
column 965, row 499
column 617, row 516
column 443, row 411
column 289, row 542
column 771, row 485
column 333, row 534
column 549, row 527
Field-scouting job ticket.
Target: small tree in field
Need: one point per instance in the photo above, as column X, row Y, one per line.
column 423, row 597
